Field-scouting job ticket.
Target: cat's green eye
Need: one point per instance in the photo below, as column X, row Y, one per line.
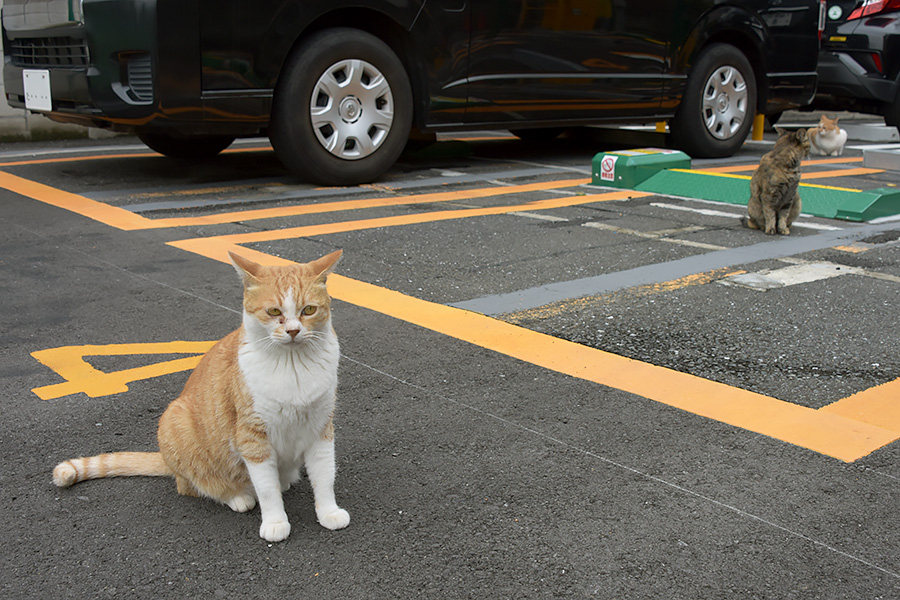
column 273, row 312
column 309, row 309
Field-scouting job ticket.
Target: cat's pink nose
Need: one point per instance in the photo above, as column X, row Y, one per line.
column 293, row 332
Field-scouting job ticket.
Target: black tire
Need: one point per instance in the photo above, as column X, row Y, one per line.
column 718, row 106
column 545, row 134
column 892, row 112
column 185, row 147
column 357, row 91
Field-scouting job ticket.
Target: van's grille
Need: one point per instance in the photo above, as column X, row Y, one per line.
column 48, row 52
column 140, row 77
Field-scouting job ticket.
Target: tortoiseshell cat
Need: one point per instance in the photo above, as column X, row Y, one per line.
column 257, row 408
column 774, row 195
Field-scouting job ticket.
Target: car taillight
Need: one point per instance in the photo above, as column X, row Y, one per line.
column 822, row 10
column 873, row 7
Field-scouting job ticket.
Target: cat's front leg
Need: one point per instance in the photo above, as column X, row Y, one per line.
column 789, row 214
column 783, row 227
column 321, row 471
column 267, row 484
column 770, row 217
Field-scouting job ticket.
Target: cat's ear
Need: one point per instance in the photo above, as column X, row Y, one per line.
column 800, row 135
column 780, row 130
column 321, row 267
column 246, row 268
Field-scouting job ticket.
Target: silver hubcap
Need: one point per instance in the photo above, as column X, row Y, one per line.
column 725, row 102
column 351, row 109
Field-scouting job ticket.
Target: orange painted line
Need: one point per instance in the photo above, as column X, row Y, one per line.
column 309, row 209
column 830, row 434
column 804, row 176
column 68, row 159
column 839, row 173
column 878, row 406
column 216, row 247
column 823, row 161
column 98, row 211
column 835, row 435
column 129, row 221
column 144, row 154
column 747, row 178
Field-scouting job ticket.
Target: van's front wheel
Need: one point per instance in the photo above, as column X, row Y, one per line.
column 342, row 109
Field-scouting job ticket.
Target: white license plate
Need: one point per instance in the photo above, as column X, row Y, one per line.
column 37, row 89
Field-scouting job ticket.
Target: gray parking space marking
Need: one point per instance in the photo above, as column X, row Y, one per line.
column 667, row 271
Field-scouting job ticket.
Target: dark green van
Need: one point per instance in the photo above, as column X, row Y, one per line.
column 338, row 85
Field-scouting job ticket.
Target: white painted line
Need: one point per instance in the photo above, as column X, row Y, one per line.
column 876, row 147
column 718, row 213
column 693, row 244
column 816, row 226
column 538, row 216
column 659, row 235
column 702, row 211
column 564, row 168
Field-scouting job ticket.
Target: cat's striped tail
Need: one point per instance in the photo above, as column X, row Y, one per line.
column 116, row 464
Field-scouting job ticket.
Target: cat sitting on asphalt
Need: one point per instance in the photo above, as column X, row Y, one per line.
column 774, row 187
column 826, row 138
column 257, row 408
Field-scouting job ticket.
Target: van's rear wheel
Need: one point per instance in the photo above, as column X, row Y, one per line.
column 719, row 104
column 343, row 108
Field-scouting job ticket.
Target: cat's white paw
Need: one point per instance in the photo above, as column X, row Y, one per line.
column 274, row 531
column 242, row 503
column 336, row 519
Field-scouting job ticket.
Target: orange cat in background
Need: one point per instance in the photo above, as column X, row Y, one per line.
column 257, row 408
column 827, row 139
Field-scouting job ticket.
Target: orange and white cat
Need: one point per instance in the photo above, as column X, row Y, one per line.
column 257, row 408
column 826, row 138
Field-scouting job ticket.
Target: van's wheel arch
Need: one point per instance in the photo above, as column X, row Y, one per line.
column 343, row 108
column 185, row 147
column 719, row 103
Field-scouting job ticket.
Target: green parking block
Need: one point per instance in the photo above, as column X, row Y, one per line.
column 628, row 168
column 818, row 200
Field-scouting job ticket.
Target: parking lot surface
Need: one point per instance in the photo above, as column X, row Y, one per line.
column 549, row 388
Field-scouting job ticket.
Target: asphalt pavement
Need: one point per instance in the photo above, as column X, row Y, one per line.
column 701, row 411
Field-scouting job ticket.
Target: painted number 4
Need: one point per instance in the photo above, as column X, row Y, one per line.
column 69, row 362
